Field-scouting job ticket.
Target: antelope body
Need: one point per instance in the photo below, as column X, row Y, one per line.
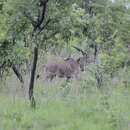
column 67, row 68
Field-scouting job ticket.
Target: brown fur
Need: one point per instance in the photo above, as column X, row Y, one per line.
column 65, row 68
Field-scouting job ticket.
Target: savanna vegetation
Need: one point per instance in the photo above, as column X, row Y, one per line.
column 33, row 33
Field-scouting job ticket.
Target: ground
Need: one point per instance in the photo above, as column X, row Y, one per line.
column 78, row 105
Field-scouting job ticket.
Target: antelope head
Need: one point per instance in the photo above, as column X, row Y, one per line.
column 82, row 61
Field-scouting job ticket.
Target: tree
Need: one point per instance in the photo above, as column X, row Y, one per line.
column 25, row 21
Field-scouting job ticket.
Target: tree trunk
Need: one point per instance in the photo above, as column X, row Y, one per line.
column 95, row 52
column 19, row 76
column 38, row 25
column 33, row 70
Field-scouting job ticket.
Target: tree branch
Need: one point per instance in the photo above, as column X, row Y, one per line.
column 43, row 27
column 41, row 16
column 19, row 76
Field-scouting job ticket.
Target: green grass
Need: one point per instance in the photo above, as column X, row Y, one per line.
column 77, row 105
column 95, row 110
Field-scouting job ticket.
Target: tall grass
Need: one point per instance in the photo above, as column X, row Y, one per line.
column 76, row 105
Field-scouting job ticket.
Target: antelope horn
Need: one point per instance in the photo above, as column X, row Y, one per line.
column 83, row 52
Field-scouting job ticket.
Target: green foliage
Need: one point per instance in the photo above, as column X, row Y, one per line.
column 12, row 54
column 66, row 26
column 113, row 61
column 77, row 104
column 17, row 18
column 99, row 23
column 12, row 50
column 106, row 22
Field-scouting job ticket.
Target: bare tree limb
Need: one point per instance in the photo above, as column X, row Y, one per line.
column 19, row 76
